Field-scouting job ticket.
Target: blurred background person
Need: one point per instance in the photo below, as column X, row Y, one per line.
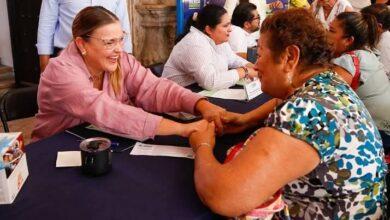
column 245, row 21
column 204, row 55
column 327, row 10
column 382, row 15
column 353, row 37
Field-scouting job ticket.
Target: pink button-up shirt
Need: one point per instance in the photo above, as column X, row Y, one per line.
column 66, row 97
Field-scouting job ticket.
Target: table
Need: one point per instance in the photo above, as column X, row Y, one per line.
column 138, row 187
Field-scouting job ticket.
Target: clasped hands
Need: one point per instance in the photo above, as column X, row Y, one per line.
column 216, row 120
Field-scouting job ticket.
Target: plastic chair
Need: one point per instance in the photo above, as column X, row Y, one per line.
column 157, row 69
column 17, row 103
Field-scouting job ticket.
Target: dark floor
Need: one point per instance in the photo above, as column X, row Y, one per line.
column 24, row 125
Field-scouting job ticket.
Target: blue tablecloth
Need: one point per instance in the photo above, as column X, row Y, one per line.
column 138, row 187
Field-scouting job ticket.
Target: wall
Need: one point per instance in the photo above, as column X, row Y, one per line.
column 5, row 38
column 153, row 29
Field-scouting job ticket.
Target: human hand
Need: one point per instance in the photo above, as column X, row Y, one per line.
column 189, row 128
column 211, row 112
column 205, row 137
column 276, row 5
column 234, row 123
column 252, row 73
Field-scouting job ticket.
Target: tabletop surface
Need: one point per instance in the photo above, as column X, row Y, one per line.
column 137, row 187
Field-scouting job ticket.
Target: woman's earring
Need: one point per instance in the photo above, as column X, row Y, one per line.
column 84, row 53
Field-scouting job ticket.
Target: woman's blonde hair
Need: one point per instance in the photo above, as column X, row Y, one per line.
column 86, row 22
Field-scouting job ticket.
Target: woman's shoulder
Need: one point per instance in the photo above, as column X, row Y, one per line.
column 194, row 37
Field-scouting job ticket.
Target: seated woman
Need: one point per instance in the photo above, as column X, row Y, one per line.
column 320, row 144
column 353, row 37
column 94, row 81
column 204, row 56
column 382, row 15
column 327, row 10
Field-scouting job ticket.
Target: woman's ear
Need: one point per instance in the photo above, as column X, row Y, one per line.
column 380, row 27
column 290, row 58
column 208, row 30
column 80, row 43
column 349, row 41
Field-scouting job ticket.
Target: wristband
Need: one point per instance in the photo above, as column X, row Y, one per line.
column 246, row 72
column 203, row 144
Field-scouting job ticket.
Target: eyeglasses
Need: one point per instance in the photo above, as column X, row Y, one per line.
column 255, row 18
column 110, row 44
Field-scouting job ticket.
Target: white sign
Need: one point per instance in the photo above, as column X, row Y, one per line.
column 252, row 89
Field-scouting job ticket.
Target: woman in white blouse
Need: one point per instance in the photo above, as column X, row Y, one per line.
column 204, row 56
column 327, row 10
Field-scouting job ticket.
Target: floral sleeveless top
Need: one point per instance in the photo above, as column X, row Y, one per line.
column 349, row 182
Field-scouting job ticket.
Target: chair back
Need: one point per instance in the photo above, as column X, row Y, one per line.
column 157, row 69
column 17, row 103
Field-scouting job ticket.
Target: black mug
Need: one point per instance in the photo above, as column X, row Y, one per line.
column 95, row 156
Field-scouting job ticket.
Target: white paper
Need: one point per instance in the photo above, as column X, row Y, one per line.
column 162, row 150
column 235, row 94
column 253, row 89
column 68, row 159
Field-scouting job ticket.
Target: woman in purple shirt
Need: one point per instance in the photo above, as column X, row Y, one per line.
column 94, row 81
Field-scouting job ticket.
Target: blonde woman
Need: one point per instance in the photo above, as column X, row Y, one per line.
column 94, row 81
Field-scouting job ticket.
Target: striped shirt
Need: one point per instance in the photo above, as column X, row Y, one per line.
column 196, row 58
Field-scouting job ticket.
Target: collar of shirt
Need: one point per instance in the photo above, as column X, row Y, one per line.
column 72, row 54
column 240, row 29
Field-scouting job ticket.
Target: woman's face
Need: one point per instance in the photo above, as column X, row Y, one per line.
column 337, row 39
column 275, row 81
column 104, row 47
column 220, row 34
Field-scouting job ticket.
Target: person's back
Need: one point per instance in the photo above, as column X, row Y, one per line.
column 375, row 86
column 382, row 14
column 326, row 113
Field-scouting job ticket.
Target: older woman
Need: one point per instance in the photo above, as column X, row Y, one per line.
column 204, row 56
column 320, row 144
column 94, row 81
column 327, row 10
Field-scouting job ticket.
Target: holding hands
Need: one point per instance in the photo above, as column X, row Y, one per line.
column 211, row 112
column 276, row 5
column 203, row 138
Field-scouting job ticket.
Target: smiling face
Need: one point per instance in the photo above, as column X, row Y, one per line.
column 275, row 81
column 220, row 34
column 103, row 48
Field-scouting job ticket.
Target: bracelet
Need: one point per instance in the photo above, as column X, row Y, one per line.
column 246, row 72
column 203, row 144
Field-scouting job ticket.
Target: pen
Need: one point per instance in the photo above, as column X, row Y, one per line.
column 113, row 143
column 76, row 135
